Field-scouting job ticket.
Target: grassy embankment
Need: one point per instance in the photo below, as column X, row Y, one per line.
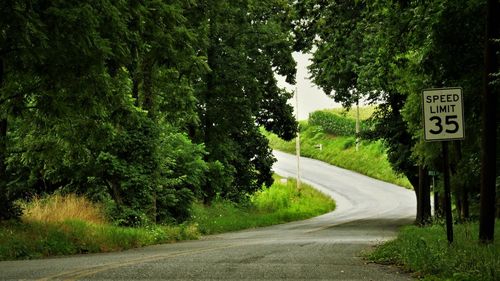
column 340, row 150
column 426, row 253
column 71, row 225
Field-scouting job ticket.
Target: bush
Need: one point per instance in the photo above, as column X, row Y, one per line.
column 335, row 124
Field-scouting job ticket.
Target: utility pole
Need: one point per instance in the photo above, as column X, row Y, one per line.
column 297, row 139
column 357, row 124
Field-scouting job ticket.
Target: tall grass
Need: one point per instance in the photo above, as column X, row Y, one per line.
column 70, row 224
column 37, row 239
column 58, row 208
column 280, row 203
column 425, row 251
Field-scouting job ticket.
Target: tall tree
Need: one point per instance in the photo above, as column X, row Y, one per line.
column 489, row 123
column 69, row 99
column 247, row 40
column 389, row 51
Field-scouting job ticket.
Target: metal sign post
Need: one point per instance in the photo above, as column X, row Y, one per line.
column 443, row 121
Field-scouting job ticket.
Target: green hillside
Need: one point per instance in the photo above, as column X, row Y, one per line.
column 338, row 148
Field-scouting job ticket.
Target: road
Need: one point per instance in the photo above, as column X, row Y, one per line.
column 327, row 247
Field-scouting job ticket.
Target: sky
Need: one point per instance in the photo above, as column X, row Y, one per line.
column 311, row 97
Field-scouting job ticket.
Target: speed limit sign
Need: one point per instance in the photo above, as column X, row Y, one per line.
column 443, row 114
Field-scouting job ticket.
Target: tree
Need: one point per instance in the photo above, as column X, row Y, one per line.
column 123, row 101
column 357, row 48
column 247, row 40
column 39, row 68
column 388, row 51
column 77, row 116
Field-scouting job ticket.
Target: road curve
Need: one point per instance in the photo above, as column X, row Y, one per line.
column 323, row 248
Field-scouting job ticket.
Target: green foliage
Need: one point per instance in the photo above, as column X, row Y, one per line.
column 247, row 44
column 426, row 252
column 145, row 105
column 335, row 124
column 276, row 204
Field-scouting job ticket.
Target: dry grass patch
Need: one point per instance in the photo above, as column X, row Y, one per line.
column 58, row 208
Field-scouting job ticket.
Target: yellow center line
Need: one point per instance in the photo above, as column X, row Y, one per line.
column 79, row 273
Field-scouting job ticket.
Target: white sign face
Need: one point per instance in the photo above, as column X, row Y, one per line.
column 443, row 114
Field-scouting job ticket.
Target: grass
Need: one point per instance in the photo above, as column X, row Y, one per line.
column 425, row 252
column 370, row 160
column 280, row 203
column 57, row 208
column 65, row 225
column 71, row 224
column 27, row 240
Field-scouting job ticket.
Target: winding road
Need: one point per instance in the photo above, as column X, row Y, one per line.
column 327, row 247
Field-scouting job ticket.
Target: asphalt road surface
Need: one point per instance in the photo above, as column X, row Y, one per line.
column 323, row 248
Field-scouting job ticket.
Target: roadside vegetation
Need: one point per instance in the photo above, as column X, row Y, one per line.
column 64, row 225
column 280, row 203
column 329, row 136
column 425, row 252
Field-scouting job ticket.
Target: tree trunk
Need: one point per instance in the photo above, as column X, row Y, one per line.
column 3, row 140
column 6, row 207
column 423, row 197
column 415, row 178
column 208, row 123
column 465, row 205
column 148, row 103
column 3, row 152
column 460, row 189
column 460, row 207
column 488, row 152
column 438, row 207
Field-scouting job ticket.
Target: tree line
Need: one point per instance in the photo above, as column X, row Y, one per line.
column 143, row 105
column 149, row 105
column 387, row 52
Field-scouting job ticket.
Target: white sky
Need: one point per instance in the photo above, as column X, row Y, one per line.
column 311, row 98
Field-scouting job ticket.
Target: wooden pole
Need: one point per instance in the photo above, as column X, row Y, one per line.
column 297, row 140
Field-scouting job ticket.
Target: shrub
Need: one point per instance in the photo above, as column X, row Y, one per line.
column 335, row 124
